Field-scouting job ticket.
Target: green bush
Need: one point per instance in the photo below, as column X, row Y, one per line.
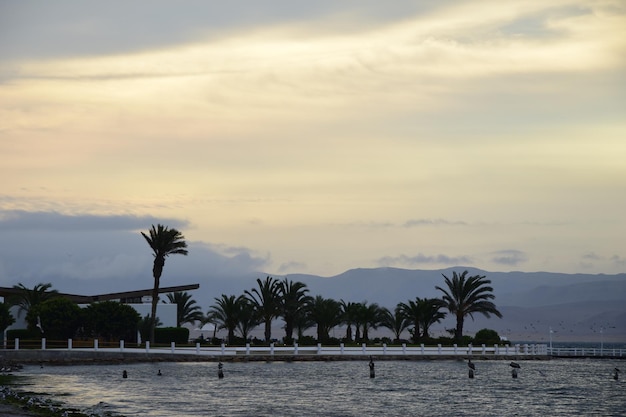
column 23, row 334
column 307, row 341
column 486, row 337
column 178, row 335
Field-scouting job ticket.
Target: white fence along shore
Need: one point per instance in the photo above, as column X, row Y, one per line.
column 517, row 350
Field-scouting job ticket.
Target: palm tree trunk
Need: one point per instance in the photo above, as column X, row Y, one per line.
column 349, row 333
column 288, row 331
column 268, row 330
column 157, row 270
column 458, row 334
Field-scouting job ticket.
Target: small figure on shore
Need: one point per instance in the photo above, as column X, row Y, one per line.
column 220, row 371
column 159, row 373
column 371, row 365
column 124, row 374
column 471, row 367
column 616, row 374
column 515, row 367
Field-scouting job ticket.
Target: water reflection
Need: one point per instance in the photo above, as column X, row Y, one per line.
column 418, row 388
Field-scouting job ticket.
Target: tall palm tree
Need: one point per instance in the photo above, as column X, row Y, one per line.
column 187, row 311
column 164, row 242
column 266, row 301
column 293, row 301
column 465, row 296
column 394, row 321
column 326, row 313
column 225, row 313
column 27, row 298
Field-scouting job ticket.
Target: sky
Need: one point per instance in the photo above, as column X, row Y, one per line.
column 310, row 137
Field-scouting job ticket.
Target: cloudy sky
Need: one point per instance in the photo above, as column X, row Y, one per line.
column 313, row 137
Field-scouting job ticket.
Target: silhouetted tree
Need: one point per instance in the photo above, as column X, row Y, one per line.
column 293, row 301
column 57, row 318
column 349, row 313
column 266, row 301
column 395, row 321
column 27, row 298
column 247, row 318
column 465, row 296
column 326, row 313
column 6, row 318
column 110, row 320
column 163, row 242
column 187, row 311
column 225, row 313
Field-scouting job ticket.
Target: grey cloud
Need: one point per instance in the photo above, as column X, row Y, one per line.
column 432, row 222
column 509, row 257
column 51, row 220
column 291, row 267
column 424, row 259
column 618, row 260
column 590, row 257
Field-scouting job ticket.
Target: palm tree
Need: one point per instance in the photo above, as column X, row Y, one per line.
column 412, row 312
column 293, row 301
column 225, row 313
column 348, row 316
column 394, row 321
column 247, row 318
column 266, row 301
column 358, row 315
column 326, row 313
column 27, row 298
column 304, row 321
column 466, row 296
column 430, row 314
column 186, row 310
column 371, row 317
column 164, row 242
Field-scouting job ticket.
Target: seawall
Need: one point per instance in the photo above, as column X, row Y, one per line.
column 72, row 357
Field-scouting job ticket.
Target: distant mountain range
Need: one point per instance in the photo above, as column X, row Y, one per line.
column 578, row 307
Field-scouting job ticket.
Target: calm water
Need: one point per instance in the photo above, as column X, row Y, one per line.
column 401, row 388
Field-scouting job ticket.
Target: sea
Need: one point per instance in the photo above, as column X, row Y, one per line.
column 556, row 387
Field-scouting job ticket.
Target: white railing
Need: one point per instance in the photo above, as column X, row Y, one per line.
column 341, row 350
column 585, row 352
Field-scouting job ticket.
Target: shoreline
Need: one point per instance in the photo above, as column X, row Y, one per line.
column 75, row 357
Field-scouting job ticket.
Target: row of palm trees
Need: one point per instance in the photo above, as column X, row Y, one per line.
column 462, row 296
column 288, row 300
column 272, row 299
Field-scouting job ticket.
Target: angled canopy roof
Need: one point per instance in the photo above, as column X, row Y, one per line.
column 86, row 299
